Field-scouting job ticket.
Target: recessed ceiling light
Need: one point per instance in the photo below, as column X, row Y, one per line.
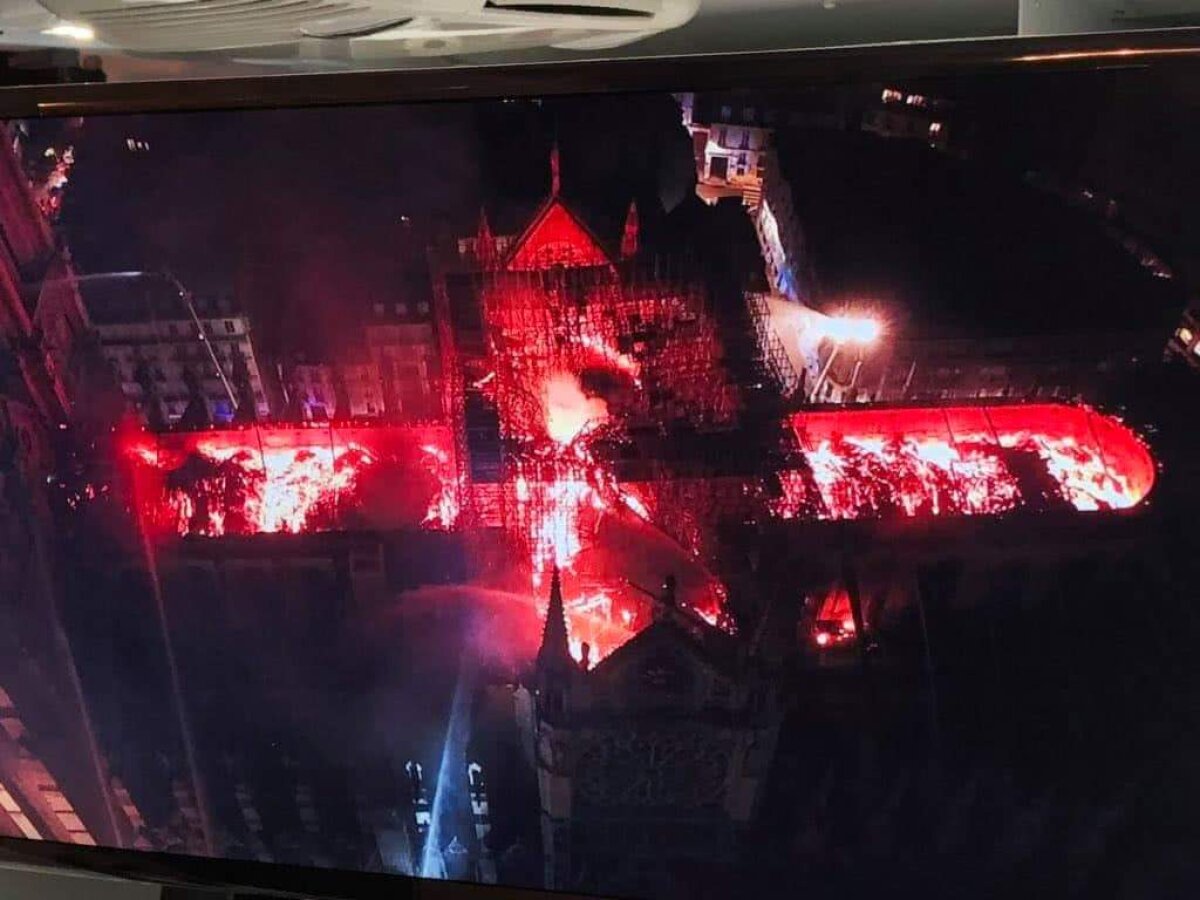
column 69, row 30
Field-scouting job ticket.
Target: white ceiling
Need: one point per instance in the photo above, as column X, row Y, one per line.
column 730, row 25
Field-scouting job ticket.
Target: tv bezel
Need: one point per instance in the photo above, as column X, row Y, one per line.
column 701, row 72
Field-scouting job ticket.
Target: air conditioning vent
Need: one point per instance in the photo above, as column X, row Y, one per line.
column 569, row 9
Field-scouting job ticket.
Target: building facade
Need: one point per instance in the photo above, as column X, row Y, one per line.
column 1186, row 340
column 653, row 761
column 164, row 356
column 731, row 142
column 54, row 781
column 402, row 351
column 337, row 391
column 909, row 115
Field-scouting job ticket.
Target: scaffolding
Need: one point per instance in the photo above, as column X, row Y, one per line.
column 641, row 336
column 771, row 348
column 642, row 326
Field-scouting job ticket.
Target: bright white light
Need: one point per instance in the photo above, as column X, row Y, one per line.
column 72, row 31
column 849, row 329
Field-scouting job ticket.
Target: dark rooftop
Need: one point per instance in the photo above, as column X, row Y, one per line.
column 148, row 299
column 952, row 249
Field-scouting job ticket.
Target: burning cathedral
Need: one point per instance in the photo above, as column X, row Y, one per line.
column 615, row 460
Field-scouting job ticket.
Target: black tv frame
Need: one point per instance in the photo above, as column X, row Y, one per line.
column 707, row 72
column 700, row 72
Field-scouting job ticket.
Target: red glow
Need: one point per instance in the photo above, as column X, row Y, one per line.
column 962, row 461
column 552, row 339
column 834, row 623
column 568, row 410
column 274, row 479
column 556, row 238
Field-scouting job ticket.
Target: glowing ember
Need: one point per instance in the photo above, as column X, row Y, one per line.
column 914, row 462
column 276, row 490
column 558, row 491
column 834, row 623
column 568, row 410
column 444, row 507
column 288, row 480
column 590, row 621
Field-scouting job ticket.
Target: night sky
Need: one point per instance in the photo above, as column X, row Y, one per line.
column 300, row 214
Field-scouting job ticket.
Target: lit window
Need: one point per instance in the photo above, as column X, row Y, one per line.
column 379, row 309
column 726, row 112
column 423, row 307
column 916, row 100
column 1185, row 334
column 401, row 309
column 58, row 803
column 891, row 95
column 935, row 128
column 1196, row 349
column 10, row 806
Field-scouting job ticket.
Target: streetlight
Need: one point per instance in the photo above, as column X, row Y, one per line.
column 844, row 330
column 184, row 295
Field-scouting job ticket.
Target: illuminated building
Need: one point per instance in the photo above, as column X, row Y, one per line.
column 401, row 345
column 310, row 390
column 558, row 346
column 609, row 422
column 54, row 779
column 962, row 322
column 155, row 349
column 731, row 141
column 1185, row 342
column 909, row 115
column 336, row 390
column 883, row 463
column 593, row 402
column 655, row 760
column 293, row 479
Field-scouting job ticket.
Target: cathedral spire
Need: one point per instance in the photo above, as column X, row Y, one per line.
column 485, row 241
column 629, row 238
column 555, row 173
column 555, row 649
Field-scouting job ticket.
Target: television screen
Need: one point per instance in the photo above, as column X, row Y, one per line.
column 769, row 492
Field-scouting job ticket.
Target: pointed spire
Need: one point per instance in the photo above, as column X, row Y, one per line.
column 485, row 241
column 555, row 648
column 555, row 173
column 629, row 238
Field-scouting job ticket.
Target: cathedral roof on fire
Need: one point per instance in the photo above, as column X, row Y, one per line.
column 678, row 631
column 575, row 230
column 556, row 236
